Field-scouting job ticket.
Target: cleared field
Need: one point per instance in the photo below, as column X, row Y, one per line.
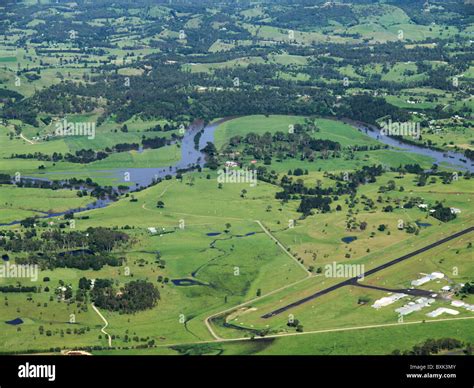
column 259, row 124
column 262, row 266
column 19, row 203
column 317, row 241
column 209, row 67
column 241, row 268
column 233, row 266
column 370, row 341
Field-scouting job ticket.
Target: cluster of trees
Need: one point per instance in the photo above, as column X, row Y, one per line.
column 164, row 128
column 5, row 179
column 296, row 324
column 368, row 109
column 410, row 168
column 443, row 213
column 297, row 144
column 367, row 174
column 167, row 91
column 468, row 288
column 89, row 249
column 83, row 261
column 84, row 186
column 156, row 142
column 469, row 154
column 160, row 94
column 293, row 189
column 319, row 197
column 307, row 18
column 432, row 346
column 211, row 153
column 71, row 183
column 11, row 288
column 85, row 156
column 319, row 202
column 136, row 296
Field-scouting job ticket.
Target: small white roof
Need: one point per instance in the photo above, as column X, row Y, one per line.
column 446, row 288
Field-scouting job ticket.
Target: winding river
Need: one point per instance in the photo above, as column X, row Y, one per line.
column 450, row 159
column 192, row 158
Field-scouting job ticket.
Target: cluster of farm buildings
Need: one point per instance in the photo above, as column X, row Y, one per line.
column 425, row 301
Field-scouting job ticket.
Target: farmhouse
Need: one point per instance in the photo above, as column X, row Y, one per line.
column 231, row 163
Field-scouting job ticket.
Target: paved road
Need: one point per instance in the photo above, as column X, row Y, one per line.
column 408, row 291
column 353, row 281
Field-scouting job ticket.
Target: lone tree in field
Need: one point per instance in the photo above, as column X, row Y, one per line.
column 160, row 205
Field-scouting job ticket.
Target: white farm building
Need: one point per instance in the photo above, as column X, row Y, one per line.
column 427, row 278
